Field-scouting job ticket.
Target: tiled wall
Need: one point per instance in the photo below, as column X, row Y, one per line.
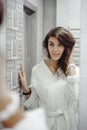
column 3, row 38
column 12, row 38
column 14, row 42
column 83, row 68
column 12, row 35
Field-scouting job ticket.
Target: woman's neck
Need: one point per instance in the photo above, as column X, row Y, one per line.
column 52, row 65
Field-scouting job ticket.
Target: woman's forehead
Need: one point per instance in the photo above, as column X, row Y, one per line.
column 53, row 39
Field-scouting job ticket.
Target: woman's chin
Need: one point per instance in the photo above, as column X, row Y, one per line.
column 56, row 58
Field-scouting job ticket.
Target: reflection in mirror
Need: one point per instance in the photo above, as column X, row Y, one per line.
column 51, row 82
column 50, row 86
column 55, row 81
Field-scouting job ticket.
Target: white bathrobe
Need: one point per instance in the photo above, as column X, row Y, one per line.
column 58, row 94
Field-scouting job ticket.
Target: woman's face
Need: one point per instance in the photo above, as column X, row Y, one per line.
column 55, row 48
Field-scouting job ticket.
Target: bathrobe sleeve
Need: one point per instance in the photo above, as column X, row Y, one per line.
column 72, row 86
column 32, row 101
column 72, row 98
column 72, row 92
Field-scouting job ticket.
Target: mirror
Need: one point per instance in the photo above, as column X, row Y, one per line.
column 26, row 24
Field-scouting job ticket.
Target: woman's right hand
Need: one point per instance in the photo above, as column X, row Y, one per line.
column 22, row 79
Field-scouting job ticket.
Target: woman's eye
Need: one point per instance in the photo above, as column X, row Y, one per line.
column 60, row 44
column 51, row 44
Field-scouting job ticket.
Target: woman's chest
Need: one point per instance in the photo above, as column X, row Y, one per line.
column 50, row 84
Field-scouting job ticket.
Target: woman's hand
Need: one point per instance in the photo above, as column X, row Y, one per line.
column 22, row 79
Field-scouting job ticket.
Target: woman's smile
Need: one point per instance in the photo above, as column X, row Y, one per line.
column 56, row 55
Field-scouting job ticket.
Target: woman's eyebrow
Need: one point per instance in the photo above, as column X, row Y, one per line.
column 51, row 41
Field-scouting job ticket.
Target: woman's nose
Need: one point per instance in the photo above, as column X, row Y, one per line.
column 55, row 48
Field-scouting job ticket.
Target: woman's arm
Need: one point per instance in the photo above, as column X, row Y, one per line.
column 30, row 98
column 23, row 83
column 72, row 86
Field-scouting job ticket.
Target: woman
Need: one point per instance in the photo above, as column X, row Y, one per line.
column 54, row 82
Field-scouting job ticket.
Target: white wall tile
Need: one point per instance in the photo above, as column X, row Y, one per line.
column 83, row 49
column 83, row 15
column 83, row 88
column 62, row 13
column 74, row 13
column 83, row 70
column 83, row 101
column 2, row 42
column 83, row 109
column 83, row 126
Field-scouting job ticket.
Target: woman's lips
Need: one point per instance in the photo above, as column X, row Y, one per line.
column 56, row 55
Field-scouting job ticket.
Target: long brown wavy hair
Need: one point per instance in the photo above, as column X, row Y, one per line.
column 65, row 38
column 1, row 11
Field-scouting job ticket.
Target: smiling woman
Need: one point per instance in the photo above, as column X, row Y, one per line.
column 55, row 82
column 55, row 48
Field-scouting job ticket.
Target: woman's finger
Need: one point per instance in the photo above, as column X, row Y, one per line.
column 19, row 75
column 22, row 70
